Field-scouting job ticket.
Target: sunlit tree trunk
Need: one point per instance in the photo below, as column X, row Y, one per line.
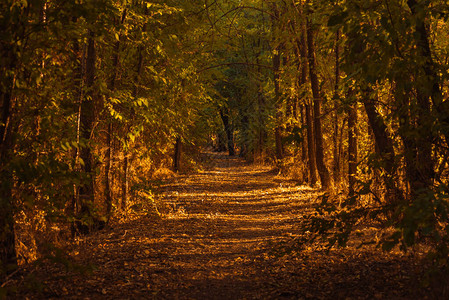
column 319, row 143
column 336, row 152
column 311, row 144
column 277, row 96
column 352, row 147
column 276, row 61
column 301, row 43
column 261, row 109
column 303, row 125
column 177, row 155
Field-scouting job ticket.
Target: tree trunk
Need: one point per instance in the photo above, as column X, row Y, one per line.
column 87, row 119
column 277, row 100
column 419, row 164
column 384, row 143
column 301, row 43
column 107, row 171
column 303, row 125
column 427, row 87
column 336, row 152
column 352, row 147
column 8, row 257
column 125, row 182
column 277, row 96
column 384, row 148
column 311, row 145
column 319, row 143
column 126, row 160
column 276, row 61
column 177, row 155
column 108, row 156
column 244, row 142
column 430, row 83
column 229, row 132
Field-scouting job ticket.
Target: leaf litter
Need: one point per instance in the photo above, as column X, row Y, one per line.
column 227, row 232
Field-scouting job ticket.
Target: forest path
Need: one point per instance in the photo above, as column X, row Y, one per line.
column 221, row 237
column 214, row 239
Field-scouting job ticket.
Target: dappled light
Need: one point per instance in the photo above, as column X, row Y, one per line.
column 224, row 149
column 227, row 232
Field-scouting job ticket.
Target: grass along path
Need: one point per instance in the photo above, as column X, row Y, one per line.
column 221, row 235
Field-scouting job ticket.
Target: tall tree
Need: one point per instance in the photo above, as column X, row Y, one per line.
column 317, row 99
column 87, row 120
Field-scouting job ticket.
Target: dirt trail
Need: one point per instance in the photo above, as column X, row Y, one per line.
column 220, row 238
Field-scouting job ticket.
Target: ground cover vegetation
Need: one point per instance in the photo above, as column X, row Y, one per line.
column 101, row 101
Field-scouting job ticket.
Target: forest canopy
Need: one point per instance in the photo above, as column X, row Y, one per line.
column 349, row 96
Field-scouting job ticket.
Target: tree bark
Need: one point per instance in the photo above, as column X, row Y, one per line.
column 108, row 155
column 304, row 154
column 336, row 152
column 126, row 159
column 177, row 155
column 87, row 119
column 276, row 61
column 229, row 132
column 352, row 147
column 427, row 88
column 431, row 82
column 277, row 100
column 311, row 144
column 319, row 143
column 384, row 148
column 8, row 257
column 301, row 44
column 384, row 143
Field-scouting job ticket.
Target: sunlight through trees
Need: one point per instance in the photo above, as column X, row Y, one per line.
column 349, row 97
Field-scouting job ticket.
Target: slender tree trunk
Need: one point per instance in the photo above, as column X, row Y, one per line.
column 303, row 125
column 336, row 164
column 108, row 156
column 262, row 133
column 108, row 165
column 427, row 87
column 87, row 119
column 78, row 95
column 244, row 142
column 311, row 145
column 125, row 182
column 301, row 43
column 261, row 110
column 319, row 143
column 8, row 257
column 276, row 61
column 126, row 159
column 384, row 148
column 352, row 147
column 430, row 83
column 419, row 164
column 384, row 143
column 229, row 132
column 177, row 155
